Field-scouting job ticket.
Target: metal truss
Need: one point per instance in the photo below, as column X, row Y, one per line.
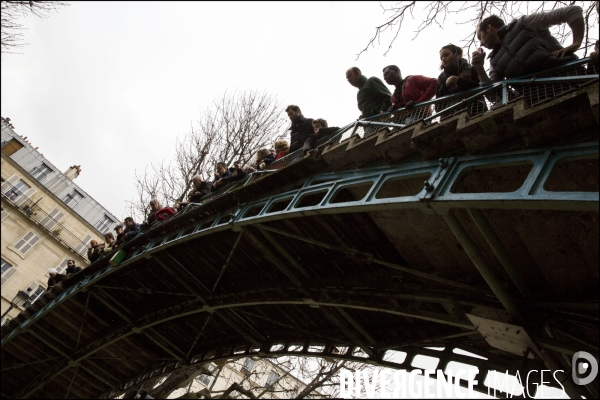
column 434, row 193
column 435, row 197
column 400, row 358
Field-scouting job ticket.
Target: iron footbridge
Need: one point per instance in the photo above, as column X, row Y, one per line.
column 462, row 231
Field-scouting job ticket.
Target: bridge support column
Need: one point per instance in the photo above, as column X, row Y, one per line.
column 496, row 245
column 483, row 267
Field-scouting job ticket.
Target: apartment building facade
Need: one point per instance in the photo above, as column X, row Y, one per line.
column 46, row 220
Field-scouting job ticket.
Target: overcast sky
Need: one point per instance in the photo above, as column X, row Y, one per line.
column 109, row 85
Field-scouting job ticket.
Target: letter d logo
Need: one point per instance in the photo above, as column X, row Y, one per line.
column 578, row 368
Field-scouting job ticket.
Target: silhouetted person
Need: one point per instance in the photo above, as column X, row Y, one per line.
column 525, row 45
column 373, row 96
column 72, row 268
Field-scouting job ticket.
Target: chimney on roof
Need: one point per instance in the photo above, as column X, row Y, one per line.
column 73, row 172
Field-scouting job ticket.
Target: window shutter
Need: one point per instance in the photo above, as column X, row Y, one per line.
column 23, row 240
column 21, row 199
column 8, row 274
column 62, row 266
column 52, row 219
column 10, row 181
column 27, row 242
column 13, row 179
column 81, row 248
column 32, row 288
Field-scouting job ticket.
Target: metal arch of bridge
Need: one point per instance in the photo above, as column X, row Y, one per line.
column 440, row 200
column 436, row 197
column 485, row 363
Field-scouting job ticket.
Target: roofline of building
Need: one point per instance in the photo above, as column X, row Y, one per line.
column 57, row 170
column 49, row 193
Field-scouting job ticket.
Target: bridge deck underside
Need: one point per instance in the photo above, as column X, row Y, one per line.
column 278, row 289
column 350, row 264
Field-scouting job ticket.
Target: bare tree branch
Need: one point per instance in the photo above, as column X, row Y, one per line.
column 232, row 127
column 11, row 36
column 471, row 13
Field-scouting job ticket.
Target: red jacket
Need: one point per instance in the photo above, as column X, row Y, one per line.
column 416, row 87
column 281, row 154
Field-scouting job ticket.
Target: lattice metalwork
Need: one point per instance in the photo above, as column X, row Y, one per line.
column 351, row 265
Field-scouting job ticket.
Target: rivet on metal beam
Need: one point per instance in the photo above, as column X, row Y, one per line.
column 428, row 186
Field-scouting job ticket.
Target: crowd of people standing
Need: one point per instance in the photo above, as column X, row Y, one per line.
column 520, row 47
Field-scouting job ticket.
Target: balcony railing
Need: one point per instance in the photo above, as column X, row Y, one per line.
column 45, row 220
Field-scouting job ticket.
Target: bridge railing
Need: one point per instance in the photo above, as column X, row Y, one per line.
column 533, row 88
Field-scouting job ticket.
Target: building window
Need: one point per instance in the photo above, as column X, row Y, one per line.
column 52, row 219
column 271, row 379
column 248, row 365
column 27, row 242
column 73, row 198
column 82, row 246
column 12, row 146
column 34, row 290
column 7, row 272
column 204, row 379
column 4, row 214
column 104, row 223
column 61, row 267
column 40, row 172
column 18, row 189
column 293, row 394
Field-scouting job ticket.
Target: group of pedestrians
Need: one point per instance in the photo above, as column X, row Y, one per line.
column 523, row 46
column 55, row 278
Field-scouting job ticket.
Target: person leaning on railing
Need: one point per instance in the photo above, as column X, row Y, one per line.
column 120, row 230
column 154, row 207
column 457, row 76
column 72, row 269
column 132, row 228
column 109, row 242
column 525, row 45
column 409, row 91
column 95, row 250
column 200, row 188
column 321, row 130
column 221, row 171
column 264, row 157
column 236, row 175
column 300, row 129
column 373, row 96
column 54, row 278
column 282, row 148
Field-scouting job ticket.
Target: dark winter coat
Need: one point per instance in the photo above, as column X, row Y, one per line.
column 205, row 188
column 301, row 129
column 524, row 51
column 55, row 281
column 311, row 142
column 467, row 79
column 373, row 96
column 73, row 270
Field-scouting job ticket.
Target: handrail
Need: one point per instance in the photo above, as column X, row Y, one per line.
column 451, row 102
column 33, row 211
